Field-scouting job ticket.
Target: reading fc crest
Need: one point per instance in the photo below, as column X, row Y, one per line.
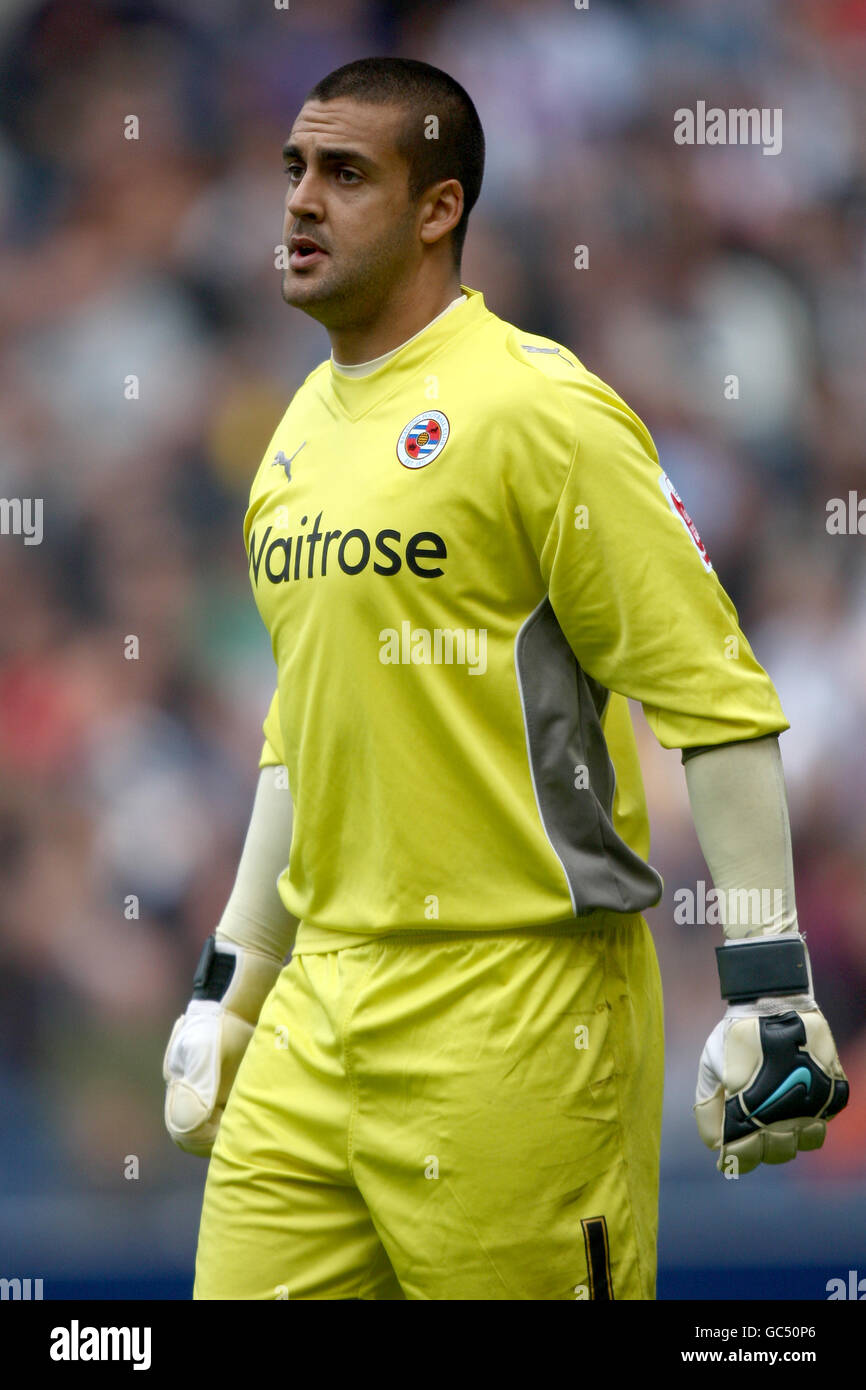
column 423, row 438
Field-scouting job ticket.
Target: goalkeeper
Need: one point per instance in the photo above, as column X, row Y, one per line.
column 468, row 559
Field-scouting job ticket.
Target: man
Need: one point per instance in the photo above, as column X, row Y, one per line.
column 468, row 558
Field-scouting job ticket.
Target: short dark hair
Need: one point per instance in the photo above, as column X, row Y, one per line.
column 422, row 91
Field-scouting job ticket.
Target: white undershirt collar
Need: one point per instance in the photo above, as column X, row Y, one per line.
column 365, row 368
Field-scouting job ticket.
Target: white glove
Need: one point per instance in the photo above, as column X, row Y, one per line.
column 768, row 1081
column 208, row 1042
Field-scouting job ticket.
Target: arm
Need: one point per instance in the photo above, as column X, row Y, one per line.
column 773, row 1054
column 645, row 614
column 254, row 915
column 238, row 968
column 740, row 809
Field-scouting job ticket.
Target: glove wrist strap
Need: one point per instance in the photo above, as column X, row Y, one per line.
column 770, row 966
column 213, row 973
column 237, row 978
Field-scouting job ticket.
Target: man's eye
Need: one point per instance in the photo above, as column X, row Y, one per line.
column 292, row 171
column 349, row 175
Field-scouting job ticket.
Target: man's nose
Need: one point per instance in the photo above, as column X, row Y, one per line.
column 304, row 198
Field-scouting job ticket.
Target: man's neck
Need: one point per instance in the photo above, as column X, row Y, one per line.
column 402, row 317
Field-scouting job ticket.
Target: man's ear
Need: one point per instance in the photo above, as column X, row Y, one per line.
column 441, row 210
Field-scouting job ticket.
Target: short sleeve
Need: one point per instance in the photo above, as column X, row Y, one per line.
column 636, row 595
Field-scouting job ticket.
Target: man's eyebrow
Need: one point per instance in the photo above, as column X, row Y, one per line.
column 325, row 156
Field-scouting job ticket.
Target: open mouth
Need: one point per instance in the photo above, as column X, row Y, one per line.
column 304, row 253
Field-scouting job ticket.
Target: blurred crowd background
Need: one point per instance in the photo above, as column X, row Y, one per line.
column 155, row 257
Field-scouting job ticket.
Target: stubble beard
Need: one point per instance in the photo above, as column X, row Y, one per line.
column 352, row 296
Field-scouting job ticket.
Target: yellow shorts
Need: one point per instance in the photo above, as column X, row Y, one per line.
column 456, row 1116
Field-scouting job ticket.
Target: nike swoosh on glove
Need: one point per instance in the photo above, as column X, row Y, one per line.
column 769, row 1079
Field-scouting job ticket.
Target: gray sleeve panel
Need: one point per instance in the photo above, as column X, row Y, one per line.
column 562, row 712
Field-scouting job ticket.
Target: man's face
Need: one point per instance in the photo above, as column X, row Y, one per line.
column 348, row 194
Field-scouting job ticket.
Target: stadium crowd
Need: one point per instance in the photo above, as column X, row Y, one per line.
column 147, row 356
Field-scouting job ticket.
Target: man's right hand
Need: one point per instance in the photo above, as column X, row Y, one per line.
column 208, row 1042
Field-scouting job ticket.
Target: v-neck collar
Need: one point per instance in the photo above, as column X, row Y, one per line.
column 356, row 395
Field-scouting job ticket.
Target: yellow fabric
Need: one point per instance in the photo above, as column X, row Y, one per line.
column 436, row 1118
column 414, row 801
column 272, row 751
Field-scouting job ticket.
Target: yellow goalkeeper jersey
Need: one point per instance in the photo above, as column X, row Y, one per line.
column 467, row 561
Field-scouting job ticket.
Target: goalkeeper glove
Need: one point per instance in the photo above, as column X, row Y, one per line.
column 207, row 1043
column 769, row 1077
